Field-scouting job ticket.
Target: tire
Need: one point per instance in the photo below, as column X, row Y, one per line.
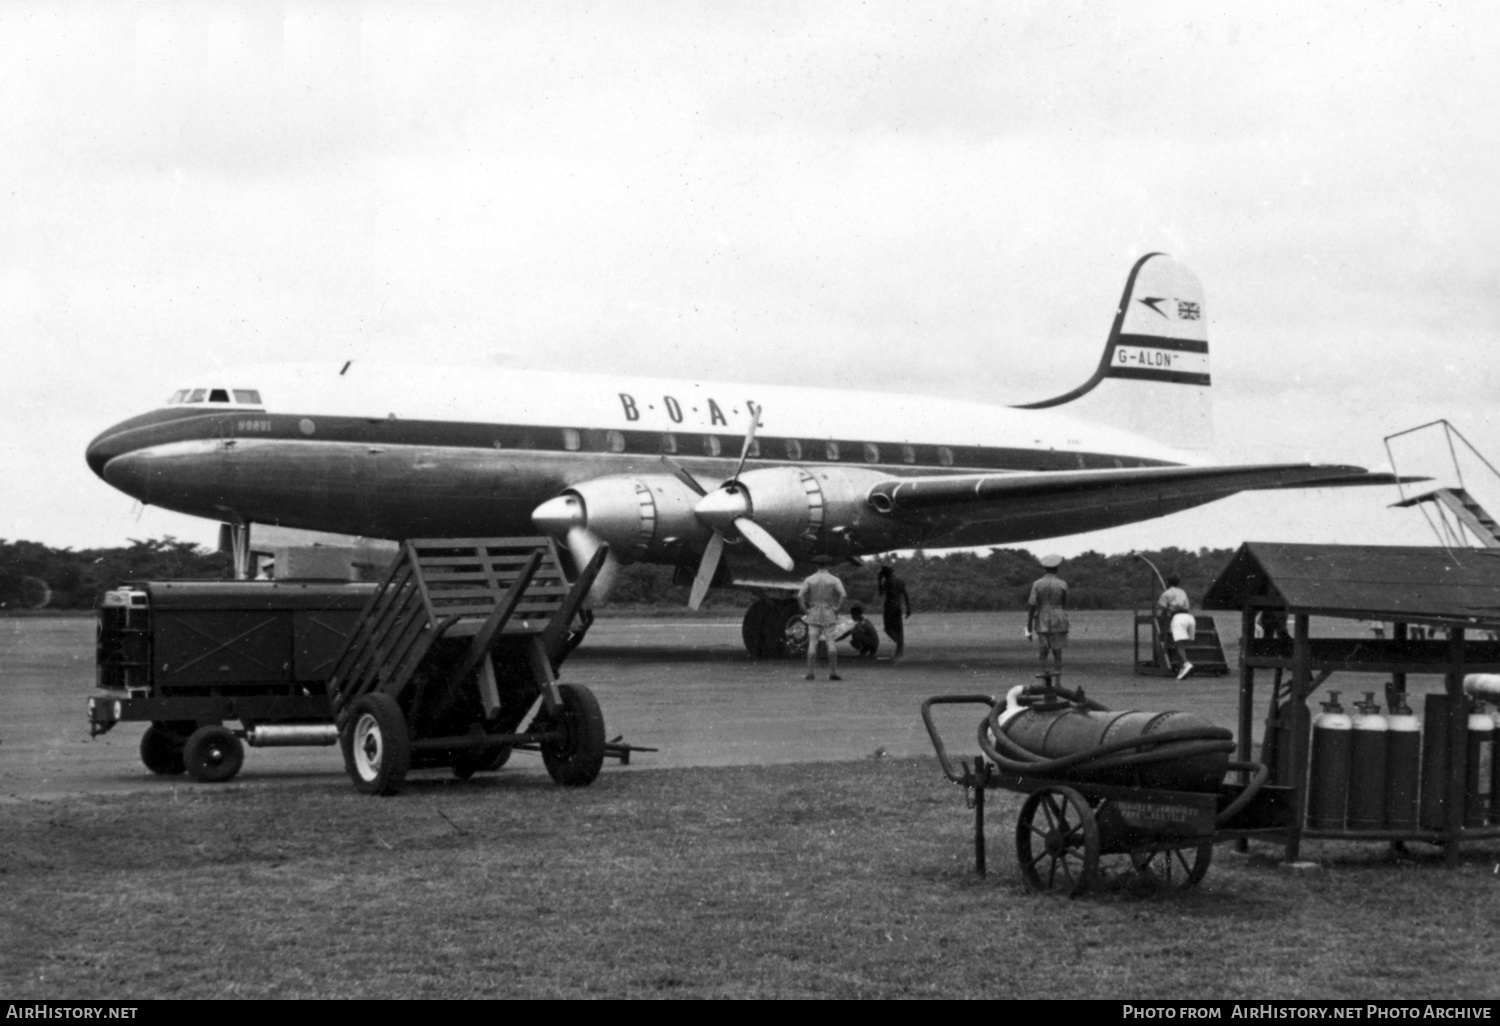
column 161, row 751
column 377, row 745
column 575, row 759
column 213, row 754
column 784, row 632
column 752, row 629
column 466, row 764
column 1057, row 841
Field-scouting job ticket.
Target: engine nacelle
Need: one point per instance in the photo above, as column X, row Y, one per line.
column 818, row 508
column 643, row 516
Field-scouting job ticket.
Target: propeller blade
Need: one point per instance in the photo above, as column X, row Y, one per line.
column 583, row 545
column 706, row 570
column 682, row 475
column 761, row 539
column 749, row 441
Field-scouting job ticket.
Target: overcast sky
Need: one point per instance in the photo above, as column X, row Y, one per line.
column 932, row 197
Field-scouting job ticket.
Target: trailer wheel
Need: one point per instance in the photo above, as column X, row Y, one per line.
column 466, row 764
column 1057, row 841
column 575, row 760
column 213, row 754
column 1174, row 869
column 377, row 745
column 161, row 751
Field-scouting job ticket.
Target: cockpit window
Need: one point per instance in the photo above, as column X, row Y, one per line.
column 177, row 396
column 218, row 395
column 247, row 395
column 196, row 395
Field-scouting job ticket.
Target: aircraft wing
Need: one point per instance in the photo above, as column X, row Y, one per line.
column 1051, row 492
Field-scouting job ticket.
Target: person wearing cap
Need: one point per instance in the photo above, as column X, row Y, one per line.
column 1173, row 611
column 820, row 596
column 1047, row 612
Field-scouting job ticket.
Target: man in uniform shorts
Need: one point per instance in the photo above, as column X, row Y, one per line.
column 820, row 597
column 1047, row 613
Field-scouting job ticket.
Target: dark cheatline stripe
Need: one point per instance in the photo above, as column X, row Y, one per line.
column 1176, row 345
column 375, row 432
column 1146, row 374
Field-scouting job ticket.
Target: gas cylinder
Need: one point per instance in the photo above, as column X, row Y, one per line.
column 1367, row 766
column 1403, row 765
column 1053, row 733
column 1328, row 781
column 1479, row 771
column 1495, row 768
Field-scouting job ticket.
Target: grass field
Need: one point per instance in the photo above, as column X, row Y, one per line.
column 839, row 880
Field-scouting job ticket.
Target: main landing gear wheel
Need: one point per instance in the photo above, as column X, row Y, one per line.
column 213, row 754
column 753, row 627
column 783, row 631
column 575, row 759
column 161, row 750
column 1057, row 841
column 377, row 745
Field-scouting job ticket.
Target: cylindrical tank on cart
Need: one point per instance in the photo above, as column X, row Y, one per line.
column 1367, row 766
column 1479, row 771
column 1403, row 765
column 1056, row 733
column 1328, row 776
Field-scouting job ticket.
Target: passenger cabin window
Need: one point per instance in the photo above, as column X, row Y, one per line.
column 872, row 452
column 755, row 448
column 616, row 440
column 908, row 454
column 831, row 449
column 793, row 449
column 669, row 443
column 945, row 456
column 571, row 439
column 711, row 446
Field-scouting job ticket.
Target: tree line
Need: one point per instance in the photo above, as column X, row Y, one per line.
column 33, row 575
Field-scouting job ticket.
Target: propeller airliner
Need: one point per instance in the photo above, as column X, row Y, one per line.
column 735, row 485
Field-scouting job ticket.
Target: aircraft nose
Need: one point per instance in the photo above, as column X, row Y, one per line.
column 103, row 449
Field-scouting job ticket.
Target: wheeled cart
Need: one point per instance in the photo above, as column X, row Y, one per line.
column 1098, row 818
column 454, row 663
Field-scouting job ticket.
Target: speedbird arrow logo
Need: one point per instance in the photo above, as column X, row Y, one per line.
column 1151, row 301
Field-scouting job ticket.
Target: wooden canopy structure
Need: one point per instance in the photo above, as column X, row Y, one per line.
column 1457, row 589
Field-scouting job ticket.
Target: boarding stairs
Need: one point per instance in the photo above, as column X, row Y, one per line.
column 1205, row 651
column 1466, row 511
column 1470, row 522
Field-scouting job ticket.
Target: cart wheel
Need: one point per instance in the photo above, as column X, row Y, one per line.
column 1057, row 841
column 377, row 747
column 213, row 754
column 466, row 765
column 1174, row 869
column 576, row 760
column 161, row 751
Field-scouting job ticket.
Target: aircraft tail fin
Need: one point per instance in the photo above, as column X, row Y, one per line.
column 1153, row 378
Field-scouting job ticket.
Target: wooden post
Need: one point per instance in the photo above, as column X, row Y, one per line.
column 1247, row 702
column 1458, row 747
column 1301, row 685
